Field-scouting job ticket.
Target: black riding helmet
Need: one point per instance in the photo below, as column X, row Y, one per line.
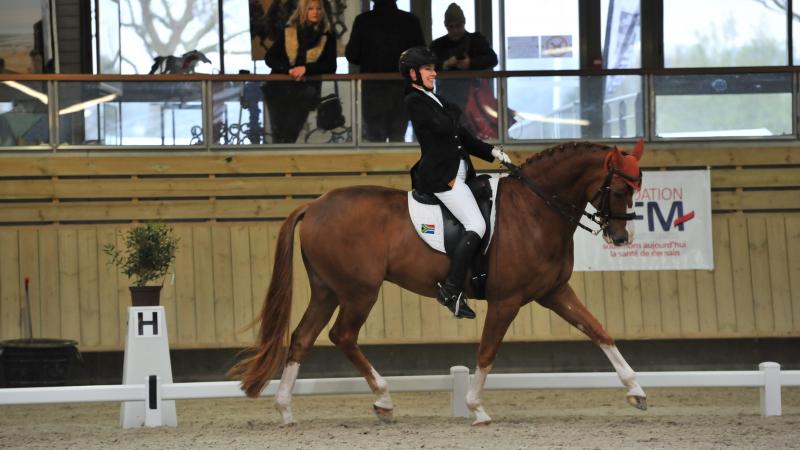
column 414, row 58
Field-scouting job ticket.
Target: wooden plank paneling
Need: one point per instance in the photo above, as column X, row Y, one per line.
column 185, row 304
column 10, row 292
column 107, row 291
column 260, row 270
column 615, row 312
column 69, row 283
column 759, row 273
column 651, row 303
column 29, row 268
column 632, row 304
column 657, row 155
column 148, row 210
column 742, row 282
column 670, row 303
column 223, row 291
column 687, row 303
column 88, row 287
column 49, row 283
column 204, row 285
column 779, row 274
column 723, row 275
column 793, row 257
column 190, row 187
column 241, row 283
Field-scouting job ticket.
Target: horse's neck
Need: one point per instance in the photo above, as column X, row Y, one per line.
column 567, row 173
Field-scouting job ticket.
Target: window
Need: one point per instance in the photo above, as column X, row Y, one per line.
column 438, row 7
column 541, row 35
column 717, row 33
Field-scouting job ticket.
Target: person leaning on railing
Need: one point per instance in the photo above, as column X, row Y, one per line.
column 306, row 47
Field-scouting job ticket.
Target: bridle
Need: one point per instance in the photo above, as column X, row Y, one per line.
column 602, row 217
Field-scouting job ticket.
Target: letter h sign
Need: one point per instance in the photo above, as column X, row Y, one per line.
column 147, row 323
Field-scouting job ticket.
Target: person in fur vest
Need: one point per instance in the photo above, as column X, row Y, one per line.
column 306, row 47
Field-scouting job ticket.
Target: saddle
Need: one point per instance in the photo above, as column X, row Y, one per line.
column 452, row 229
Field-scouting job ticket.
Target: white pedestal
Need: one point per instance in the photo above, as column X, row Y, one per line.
column 146, row 354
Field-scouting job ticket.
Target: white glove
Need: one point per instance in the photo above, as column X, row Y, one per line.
column 498, row 153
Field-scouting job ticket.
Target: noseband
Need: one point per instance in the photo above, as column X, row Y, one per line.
column 572, row 213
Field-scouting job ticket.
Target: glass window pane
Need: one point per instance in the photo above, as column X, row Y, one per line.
column 575, row 107
column 23, row 113
column 182, row 26
column 796, row 32
column 542, row 35
column 24, row 37
column 241, row 119
column 130, row 113
column 621, row 34
column 723, row 105
column 238, row 55
column 477, row 98
column 724, row 33
column 383, row 111
column 438, row 8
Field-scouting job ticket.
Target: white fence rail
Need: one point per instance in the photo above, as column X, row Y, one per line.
column 769, row 379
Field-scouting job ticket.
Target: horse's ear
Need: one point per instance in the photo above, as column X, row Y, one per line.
column 638, row 150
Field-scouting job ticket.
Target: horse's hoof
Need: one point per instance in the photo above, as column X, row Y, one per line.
column 638, row 402
column 482, row 423
column 384, row 414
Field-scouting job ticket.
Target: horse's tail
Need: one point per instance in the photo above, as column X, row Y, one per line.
column 270, row 349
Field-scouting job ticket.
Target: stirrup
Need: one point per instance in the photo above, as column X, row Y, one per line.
column 456, row 303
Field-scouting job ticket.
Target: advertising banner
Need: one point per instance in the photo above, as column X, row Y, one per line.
column 672, row 229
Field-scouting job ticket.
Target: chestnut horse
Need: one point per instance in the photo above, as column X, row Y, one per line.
column 530, row 258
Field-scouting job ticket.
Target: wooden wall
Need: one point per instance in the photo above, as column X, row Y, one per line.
column 58, row 210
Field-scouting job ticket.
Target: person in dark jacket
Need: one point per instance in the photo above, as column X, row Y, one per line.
column 461, row 50
column 376, row 41
column 306, row 47
column 445, row 166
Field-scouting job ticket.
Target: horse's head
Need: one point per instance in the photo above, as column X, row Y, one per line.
column 614, row 199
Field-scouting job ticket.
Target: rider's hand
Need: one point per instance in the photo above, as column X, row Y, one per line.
column 498, row 153
column 298, row 72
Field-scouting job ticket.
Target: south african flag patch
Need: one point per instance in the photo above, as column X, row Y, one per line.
column 427, row 228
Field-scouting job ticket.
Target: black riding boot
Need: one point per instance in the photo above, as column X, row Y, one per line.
column 451, row 292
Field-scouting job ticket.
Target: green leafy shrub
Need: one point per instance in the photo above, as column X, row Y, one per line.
column 149, row 251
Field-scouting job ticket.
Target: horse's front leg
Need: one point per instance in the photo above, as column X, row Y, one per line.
column 499, row 316
column 565, row 303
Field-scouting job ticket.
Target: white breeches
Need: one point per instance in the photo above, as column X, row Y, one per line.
column 460, row 201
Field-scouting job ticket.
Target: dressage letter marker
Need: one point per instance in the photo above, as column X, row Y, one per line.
column 147, row 357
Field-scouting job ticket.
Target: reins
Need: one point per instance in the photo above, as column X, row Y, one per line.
column 573, row 213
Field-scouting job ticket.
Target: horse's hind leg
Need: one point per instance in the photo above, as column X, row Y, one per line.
column 319, row 312
column 353, row 313
column 565, row 303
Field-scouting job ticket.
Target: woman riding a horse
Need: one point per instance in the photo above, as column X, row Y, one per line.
column 445, row 166
column 530, row 256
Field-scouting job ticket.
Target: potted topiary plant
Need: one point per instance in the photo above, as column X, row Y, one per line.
column 149, row 251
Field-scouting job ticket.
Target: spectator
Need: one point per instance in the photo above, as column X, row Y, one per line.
column 376, row 41
column 307, row 46
column 462, row 50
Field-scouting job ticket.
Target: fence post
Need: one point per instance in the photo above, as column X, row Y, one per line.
column 458, row 398
column 771, row 391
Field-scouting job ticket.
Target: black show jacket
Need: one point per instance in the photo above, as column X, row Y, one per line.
column 443, row 142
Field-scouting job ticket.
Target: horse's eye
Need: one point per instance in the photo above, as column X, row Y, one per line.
column 620, row 194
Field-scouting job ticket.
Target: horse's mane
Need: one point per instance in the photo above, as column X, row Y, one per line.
column 565, row 149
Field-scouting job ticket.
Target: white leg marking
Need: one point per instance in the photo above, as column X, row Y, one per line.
column 624, row 371
column 381, row 389
column 283, row 398
column 474, row 402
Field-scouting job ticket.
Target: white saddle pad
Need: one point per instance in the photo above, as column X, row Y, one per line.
column 428, row 222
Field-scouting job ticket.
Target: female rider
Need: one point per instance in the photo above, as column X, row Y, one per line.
column 445, row 166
